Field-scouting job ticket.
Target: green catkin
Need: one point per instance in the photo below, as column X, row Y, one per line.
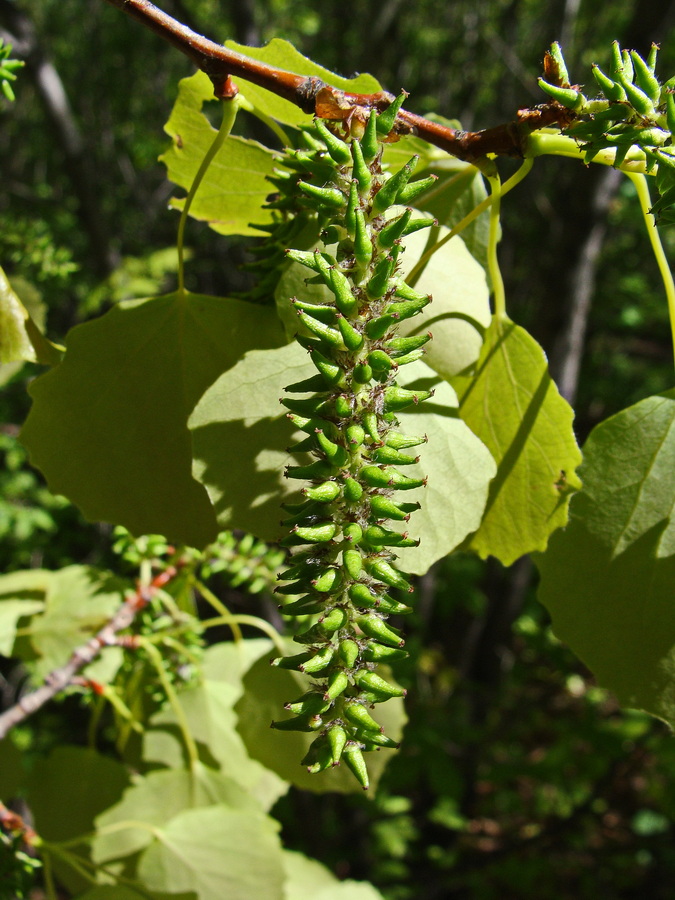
column 344, row 564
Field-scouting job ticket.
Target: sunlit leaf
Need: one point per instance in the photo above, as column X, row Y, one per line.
column 20, row 337
column 154, row 800
column 108, row 425
column 217, row 852
column 515, row 409
column 308, row 878
column 209, row 711
column 608, row 578
column 282, row 55
column 234, row 188
column 460, row 311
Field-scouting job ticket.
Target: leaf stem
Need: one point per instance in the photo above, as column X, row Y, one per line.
column 227, row 617
column 156, row 659
column 415, row 273
column 254, row 621
column 642, row 190
column 230, row 107
column 493, row 239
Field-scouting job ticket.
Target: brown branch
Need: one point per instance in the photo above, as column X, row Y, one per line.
column 315, row 97
column 66, row 675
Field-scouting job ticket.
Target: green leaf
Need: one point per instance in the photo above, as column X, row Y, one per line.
column 77, row 601
column 239, row 428
column 266, row 691
column 108, row 425
column 460, row 311
column 459, row 469
column 459, row 189
column 117, row 892
column 218, row 853
column 283, row 55
column 239, row 432
column 234, row 188
column 607, row 579
column 457, row 317
column 308, row 878
column 209, row 711
column 10, row 613
column 20, row 337
column 154, row 800
column 79, row 780
column 11, row 769
column 515, row 409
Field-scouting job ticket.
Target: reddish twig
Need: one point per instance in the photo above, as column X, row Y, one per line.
column 12, row 823
column 66, row 675
column 315, row 97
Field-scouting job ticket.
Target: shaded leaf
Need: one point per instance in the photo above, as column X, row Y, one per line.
column 308, row 878
column 607, row 579
column 216, row 852
column 515, row 409
column 282, row 55
column 108, row 425
column 234, row 188
column 266, row 691
column 11, row 769
column 75, row 779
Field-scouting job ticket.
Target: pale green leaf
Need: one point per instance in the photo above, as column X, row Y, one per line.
column 607, row 579
column 118, row 892
column 218, row 853
column 147, row 805
column 460, row 311
column 459, row 189
column 108, row 425
column 209, row 711
column 282, row 55
column 308, row 878
column 11, row 611
column 515, row 409
column 239, row 428
column 266, row 691
column 20, row 337
column 234, row 188
column 77, row 601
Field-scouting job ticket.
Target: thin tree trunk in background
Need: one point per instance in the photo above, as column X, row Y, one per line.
column 567, row 352
column 49, row 86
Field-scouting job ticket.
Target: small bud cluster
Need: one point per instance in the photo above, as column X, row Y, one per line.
column 635, row 111
column 343, row 567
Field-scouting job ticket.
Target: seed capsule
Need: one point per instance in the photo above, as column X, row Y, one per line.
column 357, row 714
column 385, row 121
column 372, row 682
column 357, row 764
column 352, row 562
column 337, row 739
column 385, row 572
column 375, row 627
